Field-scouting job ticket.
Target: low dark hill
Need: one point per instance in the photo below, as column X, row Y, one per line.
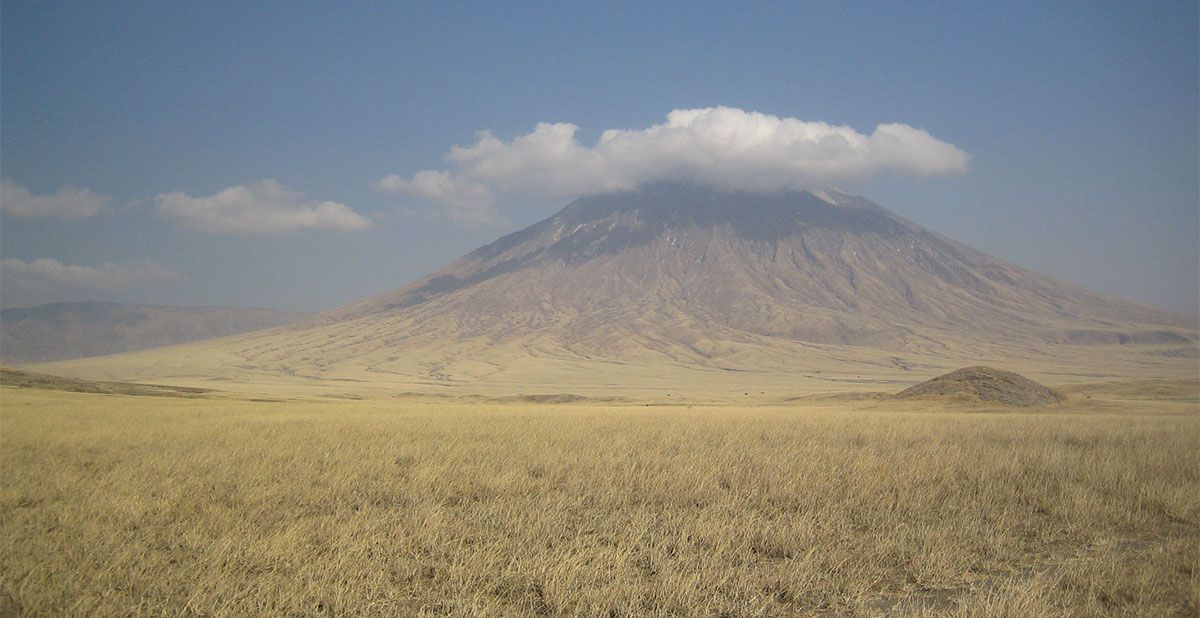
column 15, row 378
column 985, row 385
column 60, row 331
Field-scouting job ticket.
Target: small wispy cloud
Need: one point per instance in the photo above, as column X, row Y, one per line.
column 65, row 203
column 721, row 146
column 264, row 207
column 43, row 280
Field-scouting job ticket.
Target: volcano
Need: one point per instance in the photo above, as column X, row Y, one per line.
column 627, row 286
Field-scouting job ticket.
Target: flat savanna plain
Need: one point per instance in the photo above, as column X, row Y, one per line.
column 220, row 505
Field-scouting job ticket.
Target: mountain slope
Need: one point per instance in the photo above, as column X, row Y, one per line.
column 58, row 331
column 825, row 269
column 705, row 280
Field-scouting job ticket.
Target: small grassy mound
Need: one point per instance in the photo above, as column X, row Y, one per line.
column 987, row 385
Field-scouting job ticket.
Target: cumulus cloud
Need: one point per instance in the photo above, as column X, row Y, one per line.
column 66, row 203
column 722, row 146
column 47, row 279
column 263, row 207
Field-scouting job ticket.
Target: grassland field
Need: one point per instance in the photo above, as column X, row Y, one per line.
column 117, row 505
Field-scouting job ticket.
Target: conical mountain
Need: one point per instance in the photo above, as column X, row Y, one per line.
column 683, row 276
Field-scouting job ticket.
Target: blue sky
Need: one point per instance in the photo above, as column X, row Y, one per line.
column 121, row 123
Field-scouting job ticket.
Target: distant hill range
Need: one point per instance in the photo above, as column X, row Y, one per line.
column 630, row 287
column 59, row 331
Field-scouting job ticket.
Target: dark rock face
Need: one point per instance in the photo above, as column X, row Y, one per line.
column 985, row 385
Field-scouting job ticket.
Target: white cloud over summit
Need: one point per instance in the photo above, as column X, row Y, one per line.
column 721, row 146
column 66, row 203
column 264, row 207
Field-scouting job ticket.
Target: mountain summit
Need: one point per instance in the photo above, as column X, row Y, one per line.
column 692, row 277
column 673, row 269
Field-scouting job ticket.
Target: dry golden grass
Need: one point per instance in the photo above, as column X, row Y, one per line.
column 113, row 505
